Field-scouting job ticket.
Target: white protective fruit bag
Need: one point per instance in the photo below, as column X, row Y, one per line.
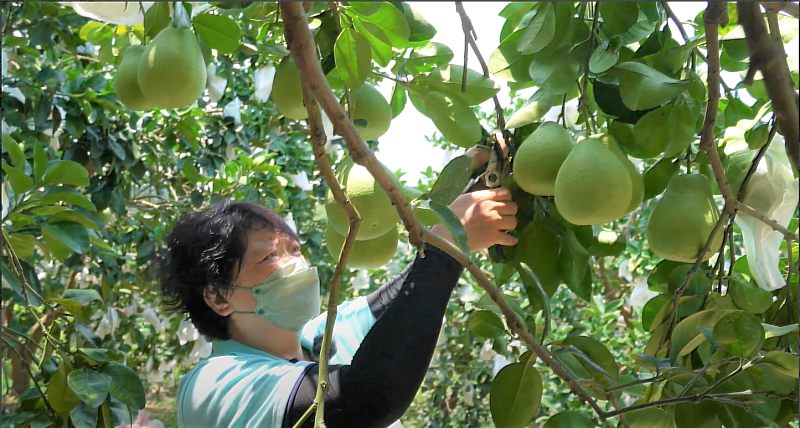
column 773, row 191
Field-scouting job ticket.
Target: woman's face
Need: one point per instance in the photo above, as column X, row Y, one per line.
column 267, row 251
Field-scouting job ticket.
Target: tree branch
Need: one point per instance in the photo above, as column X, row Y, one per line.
column 765, row 219
column 318, row 141
column 768, row 56
column 469, row 31
column 791, row 8
column 301, row 44
column 302, row 47
column 709, row 146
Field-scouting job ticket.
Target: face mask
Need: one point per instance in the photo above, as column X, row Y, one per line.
column 289, row 298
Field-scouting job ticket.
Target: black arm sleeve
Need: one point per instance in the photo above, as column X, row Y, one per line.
column 391, row 363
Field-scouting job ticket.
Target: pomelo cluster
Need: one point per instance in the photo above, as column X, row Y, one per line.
column 593, row 182
column 169, row 72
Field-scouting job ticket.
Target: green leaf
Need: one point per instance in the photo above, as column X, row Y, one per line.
column 421, row 30
column 39, row 161
column 739, row 333
column 380, row 45
column 453, row 118
column 125, row 385
column 398, row 101
column 689, row 328
column 486, row 303
column 452, row 223
column 597, row 353
column 657, row 177
column 642, row 87
column 556, row 69
column 700, row 415
column 569, row 420
column 83, row 296
column 537, row 296
column 71, row 235
column 424, row 58
column 22, row 244
column 156, row 19
column 72, row 196
column 574, row 260
column 669, row 130
column 653, row 307
column 749, row 297
column 353, row 58
column 618, row 17
column 20, row 182
column 387, row 22
column 66, row 172
column 486, row 324
column 95, row 355
column 83, row 416
column 452, row 181
column 14, row 150
column 652, row 417
column 218, row 32
column 540, row 30
column 507, row 63
column 96, row 32
column 771, row 331
column 365, row 8
column 603, row 58
column 534, row 109
column 60, row 396
column 784, row 362
column 90, row 386
column 447, row 79
column 76, row 217
column 515, row 395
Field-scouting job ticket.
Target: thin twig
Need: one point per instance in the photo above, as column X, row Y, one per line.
column 769, row 57
column 301, row 45
column 765, row 219
column 471, row 36
column 319, row 139
column 675, row 19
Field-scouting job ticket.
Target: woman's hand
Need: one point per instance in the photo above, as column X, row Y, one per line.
column 486, row 215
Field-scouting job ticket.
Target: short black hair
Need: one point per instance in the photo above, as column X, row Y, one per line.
column 204, row 251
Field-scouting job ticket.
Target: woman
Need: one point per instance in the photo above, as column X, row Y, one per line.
column 237, row 271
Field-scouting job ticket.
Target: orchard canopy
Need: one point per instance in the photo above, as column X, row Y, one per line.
column 653, row 158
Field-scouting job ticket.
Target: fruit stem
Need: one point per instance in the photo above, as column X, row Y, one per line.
column 180, row 19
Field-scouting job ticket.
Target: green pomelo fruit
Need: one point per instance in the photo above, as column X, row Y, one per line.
column 539, row 158
column 371, row 113
column 637, row 182
column 592, row 186
column 287, row 90
column 453, row 118
column 426, row 216
column 538, row 247
column 172, row 72
column 378, row 215
column 370, row 254
column 126, row 83
column 683, row 219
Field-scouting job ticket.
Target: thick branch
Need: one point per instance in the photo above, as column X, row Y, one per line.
column 791, row 8
column 768, row 56
column 469, row 30
column 301, row 44
column 318, row 140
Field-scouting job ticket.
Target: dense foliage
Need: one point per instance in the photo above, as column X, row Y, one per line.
column 90, row 188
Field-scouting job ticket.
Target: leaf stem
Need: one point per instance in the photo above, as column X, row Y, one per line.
column 471, row 36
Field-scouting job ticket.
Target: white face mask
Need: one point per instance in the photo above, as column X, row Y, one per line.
column 289, row 298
